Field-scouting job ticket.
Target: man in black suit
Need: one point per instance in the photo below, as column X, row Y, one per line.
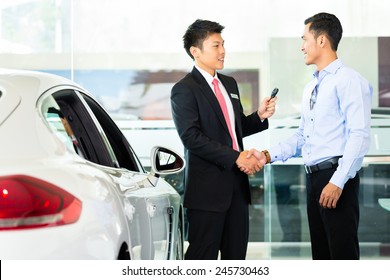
column 217, row 193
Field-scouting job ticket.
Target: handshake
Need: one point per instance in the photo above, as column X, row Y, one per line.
column 252, row 161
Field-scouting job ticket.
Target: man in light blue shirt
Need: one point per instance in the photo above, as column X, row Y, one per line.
column 333, row 138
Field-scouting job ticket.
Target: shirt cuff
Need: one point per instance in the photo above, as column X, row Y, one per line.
column 338, row 180
column 275, row 153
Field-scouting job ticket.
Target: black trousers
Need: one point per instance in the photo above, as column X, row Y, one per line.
column 333, row 232
column 226, row 232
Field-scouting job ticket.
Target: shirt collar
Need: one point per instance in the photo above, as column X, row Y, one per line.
column 331, row 68
column 207, row 75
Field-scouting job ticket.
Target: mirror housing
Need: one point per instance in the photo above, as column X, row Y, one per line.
column 165, row 161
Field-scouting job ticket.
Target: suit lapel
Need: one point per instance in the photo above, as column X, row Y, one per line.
column 210, row 95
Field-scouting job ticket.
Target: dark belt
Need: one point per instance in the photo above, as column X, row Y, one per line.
column 327, row 164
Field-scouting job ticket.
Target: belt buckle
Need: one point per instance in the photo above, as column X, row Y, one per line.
column 307, row 169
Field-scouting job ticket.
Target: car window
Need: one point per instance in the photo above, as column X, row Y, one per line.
column 58, row 127
column 52, row 114
column 75, row 115
column 98, row 138
column 124, row 154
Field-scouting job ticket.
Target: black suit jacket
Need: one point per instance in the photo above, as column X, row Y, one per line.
column 211, row 172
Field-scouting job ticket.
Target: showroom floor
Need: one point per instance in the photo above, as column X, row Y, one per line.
column 290, row 251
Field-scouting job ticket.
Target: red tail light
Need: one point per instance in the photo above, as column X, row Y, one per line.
column 27, row 202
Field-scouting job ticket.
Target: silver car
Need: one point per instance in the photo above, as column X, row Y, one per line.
column 71, row 186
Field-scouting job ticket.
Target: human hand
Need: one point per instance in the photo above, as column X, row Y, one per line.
column 330, row 195
column 259, row 155
column 267, row 108
column 248, row 164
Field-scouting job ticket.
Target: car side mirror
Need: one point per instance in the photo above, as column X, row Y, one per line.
column 165, row 161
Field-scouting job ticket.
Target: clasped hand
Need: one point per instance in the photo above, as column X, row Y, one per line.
column 251, row 161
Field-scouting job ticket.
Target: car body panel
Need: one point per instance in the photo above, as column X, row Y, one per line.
column 125, row 210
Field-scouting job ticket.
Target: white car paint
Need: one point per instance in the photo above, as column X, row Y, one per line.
column 121, row 209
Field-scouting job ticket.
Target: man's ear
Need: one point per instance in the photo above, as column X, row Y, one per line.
column 322, row 40
column 194, row 51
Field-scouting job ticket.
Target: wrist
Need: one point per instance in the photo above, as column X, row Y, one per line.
column 260, row 115
column 267, row 155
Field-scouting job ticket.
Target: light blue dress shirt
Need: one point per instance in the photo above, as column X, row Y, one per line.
column 338, row 124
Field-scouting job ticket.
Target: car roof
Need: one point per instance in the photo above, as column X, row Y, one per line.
column 25, row 85
column 25, row 134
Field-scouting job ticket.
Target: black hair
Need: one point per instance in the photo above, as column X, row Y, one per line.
column 52, row 110
column 198, row 31
column 328, row 25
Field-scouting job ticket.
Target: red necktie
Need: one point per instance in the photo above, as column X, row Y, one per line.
column 222, row 103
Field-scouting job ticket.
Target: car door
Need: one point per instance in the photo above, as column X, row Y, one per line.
column 146, row 206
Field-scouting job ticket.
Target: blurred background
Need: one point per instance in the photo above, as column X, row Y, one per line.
column 130, row 53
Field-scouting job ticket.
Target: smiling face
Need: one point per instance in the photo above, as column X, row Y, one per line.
column 310, row 47
column 212, row 55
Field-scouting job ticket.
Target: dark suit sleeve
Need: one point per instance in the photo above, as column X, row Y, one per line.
column 198, row 135
column 252, row 124
column 247, row 125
